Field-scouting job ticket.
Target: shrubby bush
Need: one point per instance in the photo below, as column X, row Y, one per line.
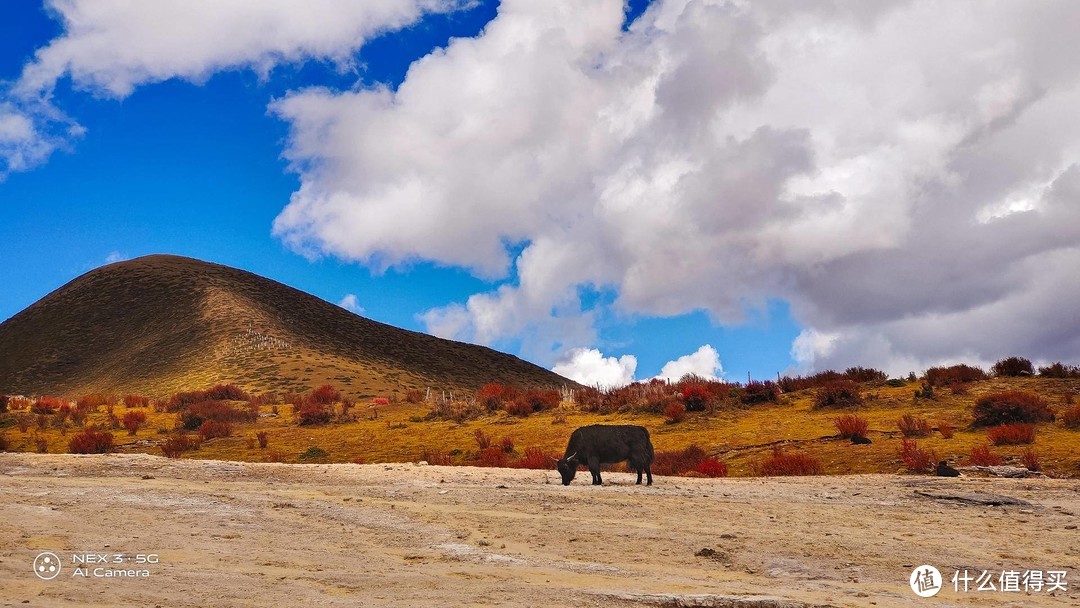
column 1059, row 370
column 678, row 462
column 916, row 459
column 91, row 441
column 982, row 457
column 851, row 426
column 837, row 394
column 913, row 426
column 788, row 463
column 1013, row 366
column 133, row 420
column 1017, row 433
column 1011, row 406
column 212, row 429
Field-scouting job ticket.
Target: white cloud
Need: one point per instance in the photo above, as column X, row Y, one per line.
column 351, row 303
column 110, row 47
column 704, row 362
column 716, row 155
column 116, row 256
column 590, row 367
column 912, row 197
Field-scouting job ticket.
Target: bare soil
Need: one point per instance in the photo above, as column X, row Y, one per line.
column 243, row 534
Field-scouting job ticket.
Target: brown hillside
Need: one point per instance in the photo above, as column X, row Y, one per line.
column 162, row 323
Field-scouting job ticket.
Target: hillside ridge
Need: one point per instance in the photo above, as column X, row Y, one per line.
column 161, row 323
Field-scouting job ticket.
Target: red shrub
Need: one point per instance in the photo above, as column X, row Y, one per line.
column 264, row 439
column 436, row 458
column 218, row 411
column 136, row 401
column 507, row 444
column 42, row 421
column 61, row 414
column 760, row 392
column 1013, row 366
column 4, row 443
column 981, row 456
column 94, row 401
column 492, row 456
column 696, row 397
column 916, row 459
column 955, row 374
column 1071, row 417
column 175, row 446
column 781, row 463
column 536, row 458
column 1031, row 460
column 1060, row 370
column 325, row 395
column 483, row 440
column 518, row 408
column 42, row 444
column 711, row 467
column 851, row 426
column 837, row 393
column 541, row 400
column 226, row 392
column 493, row 396
column 214, row 428
column 133, row 420
column 1011, row 406
column 47, row 405
column 1012, row 434
column 91, row 441
column 678, row 462
column 946, row 430
column 675, row 412
column 311, row 412
column 23, row 422
column 589, row 399
column 912, row 426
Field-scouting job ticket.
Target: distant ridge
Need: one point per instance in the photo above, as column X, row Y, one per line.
column 161, row 323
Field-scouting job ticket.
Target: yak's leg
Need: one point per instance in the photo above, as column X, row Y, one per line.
column 594, row 468
column 648, row 471
column 635, row 465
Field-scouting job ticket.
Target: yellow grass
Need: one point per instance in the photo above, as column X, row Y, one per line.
column 740, row 437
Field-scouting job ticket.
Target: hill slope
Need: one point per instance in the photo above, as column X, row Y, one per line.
column 161, row 323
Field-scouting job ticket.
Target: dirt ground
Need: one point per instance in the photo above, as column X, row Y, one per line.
column 241, row 534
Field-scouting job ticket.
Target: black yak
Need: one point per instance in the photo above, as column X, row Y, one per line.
column 606, row 444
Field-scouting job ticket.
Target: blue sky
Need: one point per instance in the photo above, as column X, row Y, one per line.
column 565, row 183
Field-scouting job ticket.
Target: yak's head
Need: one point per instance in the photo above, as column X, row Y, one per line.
column 568, row 468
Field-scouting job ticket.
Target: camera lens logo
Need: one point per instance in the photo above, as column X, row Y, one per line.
column 925, row 581
column 47, row 566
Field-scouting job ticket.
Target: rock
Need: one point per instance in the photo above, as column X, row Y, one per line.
column 944, row 470
column 861, row 441
column 1004, row 471
column 975, row 498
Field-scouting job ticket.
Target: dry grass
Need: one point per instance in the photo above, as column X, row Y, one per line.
column 739, row 438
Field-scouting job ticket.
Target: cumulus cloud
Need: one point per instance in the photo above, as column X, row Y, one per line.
column 912, row 196
column 704, row 362
column 590, row 367
column 110, row 47
column 351, row 303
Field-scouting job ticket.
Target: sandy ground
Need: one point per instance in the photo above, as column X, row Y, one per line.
column 237, row 534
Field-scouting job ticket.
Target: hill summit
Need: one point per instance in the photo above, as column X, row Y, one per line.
column 161, row 323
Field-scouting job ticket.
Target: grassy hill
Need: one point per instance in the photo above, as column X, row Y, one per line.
column 161, row 323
